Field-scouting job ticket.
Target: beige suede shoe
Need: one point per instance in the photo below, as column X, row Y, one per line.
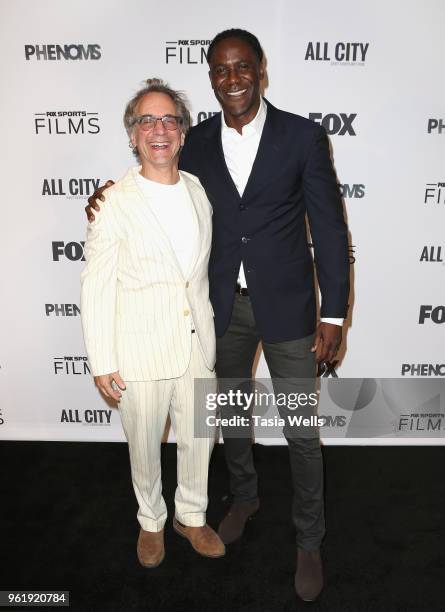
column 204, row 540
column 150, row 548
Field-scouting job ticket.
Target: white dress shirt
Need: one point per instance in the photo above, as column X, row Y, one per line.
column 239, row 152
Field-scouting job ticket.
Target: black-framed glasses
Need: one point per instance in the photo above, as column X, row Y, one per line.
column 148, row 122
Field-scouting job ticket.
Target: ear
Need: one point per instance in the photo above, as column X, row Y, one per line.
column 182, row 139
column 133, row 139
column 262, row 71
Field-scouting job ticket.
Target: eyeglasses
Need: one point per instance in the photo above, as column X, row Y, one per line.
column 148, row 122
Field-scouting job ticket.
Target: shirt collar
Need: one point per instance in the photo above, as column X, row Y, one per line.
column 256, row 125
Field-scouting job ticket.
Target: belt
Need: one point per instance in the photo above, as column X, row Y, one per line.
column 242, row 290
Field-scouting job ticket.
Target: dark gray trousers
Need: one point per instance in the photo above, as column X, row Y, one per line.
column 235, row 353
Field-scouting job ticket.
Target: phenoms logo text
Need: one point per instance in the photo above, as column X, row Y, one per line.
column 59, row 53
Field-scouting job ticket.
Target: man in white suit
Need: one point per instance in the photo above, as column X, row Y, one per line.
column 147, row 318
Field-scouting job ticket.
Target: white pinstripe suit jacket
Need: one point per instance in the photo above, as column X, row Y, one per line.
column 135, row 302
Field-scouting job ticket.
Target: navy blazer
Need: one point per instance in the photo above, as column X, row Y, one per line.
column 265, row 228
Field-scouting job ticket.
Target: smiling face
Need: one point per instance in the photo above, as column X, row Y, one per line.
column 236, row 75
column 158, row 148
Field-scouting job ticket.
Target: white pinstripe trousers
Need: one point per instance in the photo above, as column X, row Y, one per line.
column 143, row 409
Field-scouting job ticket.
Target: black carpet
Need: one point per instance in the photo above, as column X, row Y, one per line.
column 69, row 522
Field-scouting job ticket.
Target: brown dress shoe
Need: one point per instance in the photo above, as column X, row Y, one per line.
column 150, row 548
column 309, row 575
column 203, row 539
column 232, row 526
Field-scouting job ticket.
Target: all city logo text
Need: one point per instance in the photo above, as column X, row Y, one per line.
column 71, row 188
column 88, row 416
column 351, row 53
column 432, row 254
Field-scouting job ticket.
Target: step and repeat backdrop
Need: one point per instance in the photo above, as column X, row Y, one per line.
column 368, row 72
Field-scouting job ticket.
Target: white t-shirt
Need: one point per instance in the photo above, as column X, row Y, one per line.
column 174, row 210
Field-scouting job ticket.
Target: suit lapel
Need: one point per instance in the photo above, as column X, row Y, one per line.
column 267, row 161
column 195, row 197
column 214, row 159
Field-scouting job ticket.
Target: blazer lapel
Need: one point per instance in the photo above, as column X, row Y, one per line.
column 195, row 197
column 214, row 159
column 267, row 161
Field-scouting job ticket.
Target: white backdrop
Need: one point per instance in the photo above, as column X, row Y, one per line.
column 391, row 154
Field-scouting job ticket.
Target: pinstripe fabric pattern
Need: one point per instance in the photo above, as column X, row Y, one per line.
column 143, row 410
column 136, row 304
column 137, row 309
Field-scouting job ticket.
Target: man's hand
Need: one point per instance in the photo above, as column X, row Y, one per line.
column 103, row 383
column 97, row 195
column 327, row 341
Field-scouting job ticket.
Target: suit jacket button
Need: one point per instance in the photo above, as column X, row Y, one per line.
column 186, row 313
column 187, row 285
column 244, row 240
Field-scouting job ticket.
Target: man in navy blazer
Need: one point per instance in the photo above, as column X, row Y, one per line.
column 265, row 228
column 264, row 170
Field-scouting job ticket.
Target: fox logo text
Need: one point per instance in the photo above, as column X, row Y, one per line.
column 340, row 125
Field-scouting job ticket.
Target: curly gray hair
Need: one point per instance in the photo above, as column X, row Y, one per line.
column 157, row 86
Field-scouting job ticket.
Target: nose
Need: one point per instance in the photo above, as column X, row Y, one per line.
column 233, row 76
column 159, row 127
